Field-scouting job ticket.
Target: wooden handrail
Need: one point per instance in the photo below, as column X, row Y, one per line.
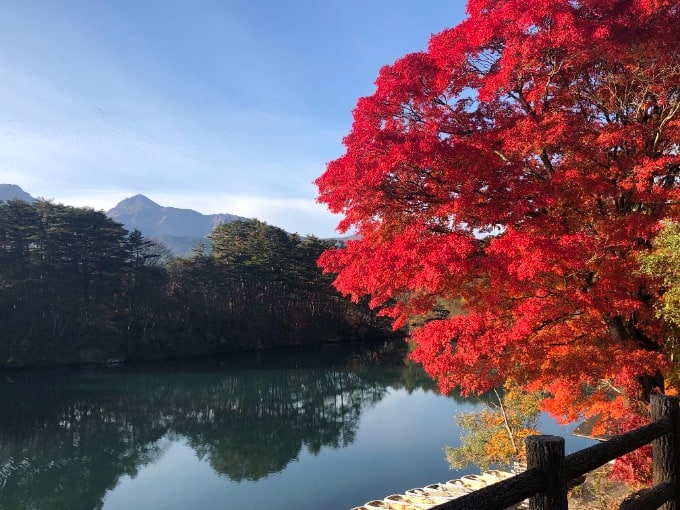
column 549, row 472
column 581, row 462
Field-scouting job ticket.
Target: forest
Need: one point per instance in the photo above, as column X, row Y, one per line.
column 77, row 287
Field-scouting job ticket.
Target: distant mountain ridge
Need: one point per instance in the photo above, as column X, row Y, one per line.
column 154, row 220
column 178, row 229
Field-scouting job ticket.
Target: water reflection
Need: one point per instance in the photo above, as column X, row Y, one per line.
column 68, row 436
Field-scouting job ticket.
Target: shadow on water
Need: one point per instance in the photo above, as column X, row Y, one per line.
column 68, row 435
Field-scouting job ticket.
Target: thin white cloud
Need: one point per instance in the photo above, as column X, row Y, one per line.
column 296, row 215
column 300, row 215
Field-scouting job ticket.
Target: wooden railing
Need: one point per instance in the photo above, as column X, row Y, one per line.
column 549, row 472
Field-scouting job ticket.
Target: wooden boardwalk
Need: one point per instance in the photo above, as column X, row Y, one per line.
column 438, row 493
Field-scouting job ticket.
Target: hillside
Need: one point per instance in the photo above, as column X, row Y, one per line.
column 155, row 220
column 12, row 191
column 179, row 229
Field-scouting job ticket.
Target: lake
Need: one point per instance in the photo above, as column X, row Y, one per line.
column 278, row 430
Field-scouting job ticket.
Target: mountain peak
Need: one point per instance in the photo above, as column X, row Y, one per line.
column 138, row 200
column 12, row 191
column 154, row 220
column 141, row 197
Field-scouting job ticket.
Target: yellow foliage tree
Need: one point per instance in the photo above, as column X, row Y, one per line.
column 663, row 264
column 494, row 437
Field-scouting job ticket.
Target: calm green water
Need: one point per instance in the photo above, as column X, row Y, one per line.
column 276, row 431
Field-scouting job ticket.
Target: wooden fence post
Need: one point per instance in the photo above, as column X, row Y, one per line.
column 665, row 450
column 547, row 454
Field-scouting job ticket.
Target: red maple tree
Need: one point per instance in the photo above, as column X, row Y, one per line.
column 516, row 169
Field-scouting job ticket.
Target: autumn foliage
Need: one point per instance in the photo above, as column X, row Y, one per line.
column 495, row 435
column 518, row 168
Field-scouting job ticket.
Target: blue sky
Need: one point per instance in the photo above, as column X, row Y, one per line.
column 227, row 106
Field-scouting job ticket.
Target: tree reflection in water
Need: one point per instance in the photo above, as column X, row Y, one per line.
column 67, row 436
